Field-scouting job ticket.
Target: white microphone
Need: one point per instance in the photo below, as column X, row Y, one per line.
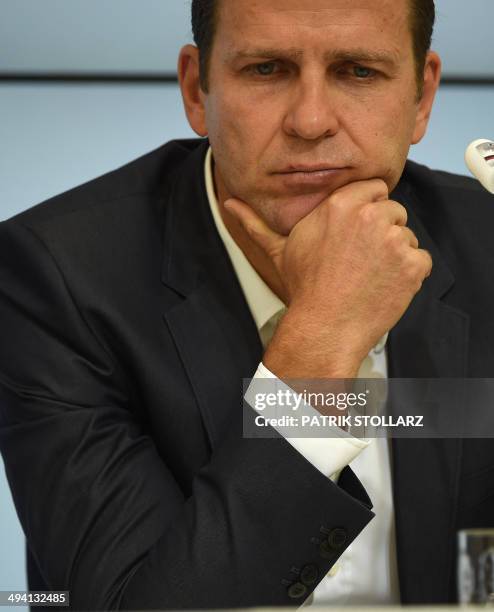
column 479, row 158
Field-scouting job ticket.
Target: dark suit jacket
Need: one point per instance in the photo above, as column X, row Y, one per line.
column 125, row 336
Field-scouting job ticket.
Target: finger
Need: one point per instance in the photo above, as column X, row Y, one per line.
column 410, row 237
column 361, row 192
column 395, row 212
column 426, row 261
column 257, row 229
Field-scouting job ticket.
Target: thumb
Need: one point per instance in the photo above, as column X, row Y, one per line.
column 270, row 242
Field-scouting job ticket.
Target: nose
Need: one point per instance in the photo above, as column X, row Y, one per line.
column 311, row 114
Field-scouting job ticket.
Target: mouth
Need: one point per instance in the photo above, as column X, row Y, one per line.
column 307, row 168
column 312, row 176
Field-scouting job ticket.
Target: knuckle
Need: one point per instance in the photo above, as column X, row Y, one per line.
column 394, row 242
column 395, row 235
column 337, row 201
column 417, row 269
column 411, row 237
column 368, row 214
column 401, row 211
column 415, row 283
column 429, row 263
column 381, row 187
column 412, row 268
column 324, row 209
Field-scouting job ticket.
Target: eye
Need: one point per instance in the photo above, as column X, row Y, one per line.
column 361, row 72
column 265, row 69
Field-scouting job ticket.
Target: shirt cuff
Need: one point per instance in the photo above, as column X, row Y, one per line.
column 329, row 455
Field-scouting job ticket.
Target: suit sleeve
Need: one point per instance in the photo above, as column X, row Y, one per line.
column 102, row 513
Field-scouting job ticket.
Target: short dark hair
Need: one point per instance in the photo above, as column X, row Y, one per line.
column 205, row 19
column 422, row 19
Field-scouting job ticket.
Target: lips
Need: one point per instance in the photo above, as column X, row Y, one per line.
column 309, row 176
column 309, row 169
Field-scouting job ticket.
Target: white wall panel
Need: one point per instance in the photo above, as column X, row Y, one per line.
column 93, row 35
column 463, row 36
column 145, row 35
column 460, row 115
column 57, row 136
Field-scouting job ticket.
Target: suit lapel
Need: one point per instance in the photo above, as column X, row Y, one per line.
column 430, row 341
column 212, row 327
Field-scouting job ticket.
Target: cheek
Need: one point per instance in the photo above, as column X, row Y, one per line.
column 385, row 135
column 241, row 142
column 380, row 135
column 247, row 116
column 229, row 111
column 228, row 127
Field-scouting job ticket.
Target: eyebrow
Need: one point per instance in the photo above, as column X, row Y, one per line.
column 347, row 55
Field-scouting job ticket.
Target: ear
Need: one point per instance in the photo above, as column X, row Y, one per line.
column 192, row 94
column 432, row 77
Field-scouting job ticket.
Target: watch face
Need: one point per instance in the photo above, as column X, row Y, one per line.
column 486, row 149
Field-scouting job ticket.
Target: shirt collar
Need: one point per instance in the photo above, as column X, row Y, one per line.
column 264, row 304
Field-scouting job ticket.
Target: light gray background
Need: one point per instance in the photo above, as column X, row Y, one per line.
column 54, row 136
column 143, row 35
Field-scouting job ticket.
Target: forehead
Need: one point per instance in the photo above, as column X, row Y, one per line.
column 306, row 22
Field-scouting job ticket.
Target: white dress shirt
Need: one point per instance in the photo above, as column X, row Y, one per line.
column 366, row 572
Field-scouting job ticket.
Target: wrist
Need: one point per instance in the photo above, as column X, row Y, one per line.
column 304, row 347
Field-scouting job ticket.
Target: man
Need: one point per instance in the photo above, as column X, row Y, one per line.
column 132, row 307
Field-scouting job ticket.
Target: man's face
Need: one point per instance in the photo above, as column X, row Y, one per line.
column 306, row 96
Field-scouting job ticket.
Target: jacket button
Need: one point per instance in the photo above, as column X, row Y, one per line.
column 325, row 551
column 309, row 574
column 337, row 538
column 297, row 590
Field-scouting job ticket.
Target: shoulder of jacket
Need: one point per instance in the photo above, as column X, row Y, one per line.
column 446, row 190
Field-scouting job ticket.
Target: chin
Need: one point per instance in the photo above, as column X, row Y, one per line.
column 287, row 213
